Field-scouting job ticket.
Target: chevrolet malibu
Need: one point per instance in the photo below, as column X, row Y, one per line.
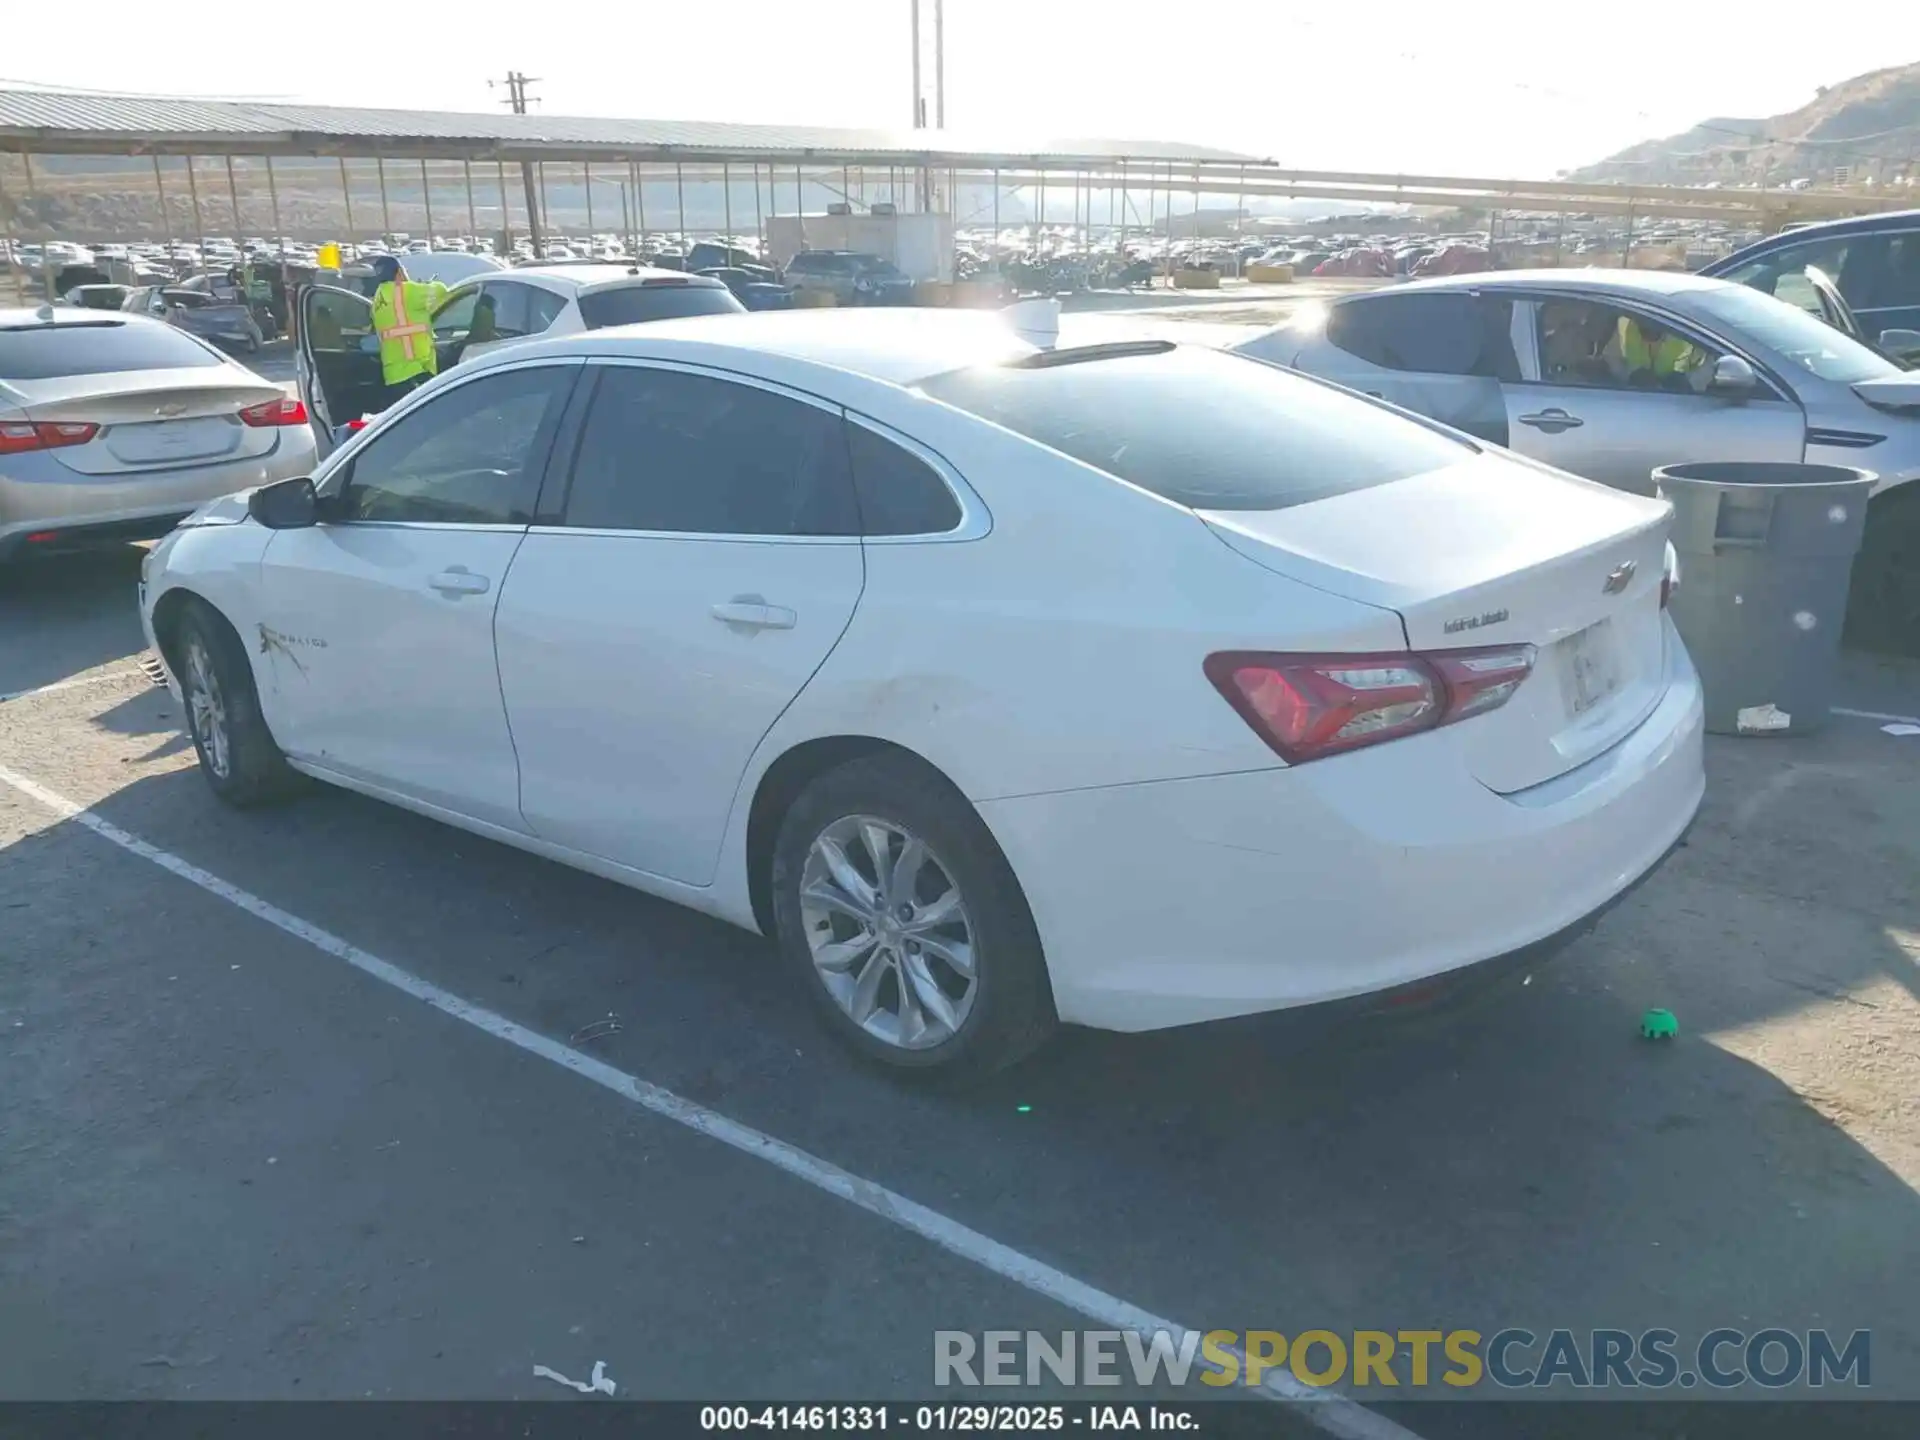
column 1128, row 685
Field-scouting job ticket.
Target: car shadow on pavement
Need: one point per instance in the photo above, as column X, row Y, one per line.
column 1530, row 1162
column 64, row 615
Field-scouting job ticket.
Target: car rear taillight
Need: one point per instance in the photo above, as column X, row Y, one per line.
column 19, row 436
column 275, row 412
column 1307, row 706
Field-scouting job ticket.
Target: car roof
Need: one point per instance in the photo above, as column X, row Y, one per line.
column 1821, row 229
column 1593, row 281
column 595, row 276
column 893, row 346
column 18, row 317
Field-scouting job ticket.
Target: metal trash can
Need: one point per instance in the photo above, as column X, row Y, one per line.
column 1765, row 551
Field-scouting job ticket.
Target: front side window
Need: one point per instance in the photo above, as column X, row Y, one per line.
column 1429, row 334
column 470, row 456
column 1600, row 346
column 1795, row 336
column 665, row 450
column 454, row 319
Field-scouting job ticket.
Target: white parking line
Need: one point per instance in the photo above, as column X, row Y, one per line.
column 73, row 684
column 1876, row 715
column 1336, row 1414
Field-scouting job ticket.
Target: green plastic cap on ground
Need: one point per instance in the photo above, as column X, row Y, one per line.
column 1659, row 1025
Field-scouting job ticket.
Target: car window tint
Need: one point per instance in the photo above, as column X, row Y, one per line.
column 636, row 304
column 1796, row 337
column 1430, row 334
column 455, row 317
column 512, row 308
column 899, row 493
column 543, row 308
column 471, row 455
column 96, row 347
column 1591, row 344
column 667, row 450
column 1202, row 427
column 336, row 320
column 1900, row 278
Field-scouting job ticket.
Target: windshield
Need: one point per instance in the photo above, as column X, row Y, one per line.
column 41, row 352
column 1203, row 428
column 1796, row 336
column 638, row 304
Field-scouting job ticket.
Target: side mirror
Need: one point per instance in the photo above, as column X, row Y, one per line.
column 1733, row 378
column 285, row 505
column 1903, row 345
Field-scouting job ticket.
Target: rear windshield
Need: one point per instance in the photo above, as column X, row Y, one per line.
column 1203, row 428
column 637, row 304
column 41, row 352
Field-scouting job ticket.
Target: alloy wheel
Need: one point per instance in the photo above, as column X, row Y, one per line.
column 209, row 709
column 889, row 932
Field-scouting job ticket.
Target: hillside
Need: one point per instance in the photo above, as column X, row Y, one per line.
column 1870, row 123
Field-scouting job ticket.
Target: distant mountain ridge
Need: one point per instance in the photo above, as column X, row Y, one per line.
column 1869, row 125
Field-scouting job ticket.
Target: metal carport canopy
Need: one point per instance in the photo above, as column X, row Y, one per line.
column 47, row 122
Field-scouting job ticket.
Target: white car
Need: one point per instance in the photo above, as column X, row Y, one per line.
column 1128, row 685
column 337, row 365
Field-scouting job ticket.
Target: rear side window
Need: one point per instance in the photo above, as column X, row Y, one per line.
column 1203, row 428
column 899, row 493
column 41, row 352
column 667, row 450
column 639, row 304
column 1443, row 334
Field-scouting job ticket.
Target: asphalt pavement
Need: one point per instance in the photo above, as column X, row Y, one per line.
column 234, row 1165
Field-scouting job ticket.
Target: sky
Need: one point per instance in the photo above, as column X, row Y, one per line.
column 1496, row 88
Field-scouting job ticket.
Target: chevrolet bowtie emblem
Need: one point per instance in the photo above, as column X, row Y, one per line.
column 167, row 412
column 1619, row 578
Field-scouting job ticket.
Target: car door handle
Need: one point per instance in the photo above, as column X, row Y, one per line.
column 1553, row 421
column 754, row 612
column 459, row 581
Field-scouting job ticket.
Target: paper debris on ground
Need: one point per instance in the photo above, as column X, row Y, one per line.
column 1901, row 729
column 1762, row 717
column 599, row 1382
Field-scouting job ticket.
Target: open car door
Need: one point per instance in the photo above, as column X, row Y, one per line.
column 338, row 361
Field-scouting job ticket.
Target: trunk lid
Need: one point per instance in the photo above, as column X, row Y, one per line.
column 153, row 419
column 1496, row 551
column 1891, row 392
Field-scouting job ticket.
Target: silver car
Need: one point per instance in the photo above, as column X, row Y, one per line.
column 1530, row 360
column 114, row 426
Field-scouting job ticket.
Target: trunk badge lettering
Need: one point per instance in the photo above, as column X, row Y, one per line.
column 1474, row 622
column 1619, row 578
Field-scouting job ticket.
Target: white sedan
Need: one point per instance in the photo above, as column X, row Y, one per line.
column 1126, row 685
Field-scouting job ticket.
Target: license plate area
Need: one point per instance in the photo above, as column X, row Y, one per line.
column 1590, row 667
column 164, row 440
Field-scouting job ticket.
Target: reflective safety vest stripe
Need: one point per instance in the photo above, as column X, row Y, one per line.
column 406, row 339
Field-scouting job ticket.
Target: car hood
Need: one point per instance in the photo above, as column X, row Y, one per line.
column 1891, row 392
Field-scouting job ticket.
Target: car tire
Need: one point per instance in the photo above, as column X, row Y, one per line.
column 238, row 755
column 1883, row 600
column 968, row 1026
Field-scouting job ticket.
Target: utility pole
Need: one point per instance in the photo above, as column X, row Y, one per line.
column 940, row 64
column 919, row 104
column 518, row 99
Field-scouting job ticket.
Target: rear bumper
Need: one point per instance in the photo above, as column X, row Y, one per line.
column 38, row 495
column 1181, row 901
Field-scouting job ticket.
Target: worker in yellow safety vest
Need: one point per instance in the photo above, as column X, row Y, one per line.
column 1643, row 347
column 403, row 319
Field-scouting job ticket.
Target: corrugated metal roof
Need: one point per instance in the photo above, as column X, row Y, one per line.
column 94, row 121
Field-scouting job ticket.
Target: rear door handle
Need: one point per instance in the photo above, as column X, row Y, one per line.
column 753, row 612
column 1553, row 421
column 459, row 581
